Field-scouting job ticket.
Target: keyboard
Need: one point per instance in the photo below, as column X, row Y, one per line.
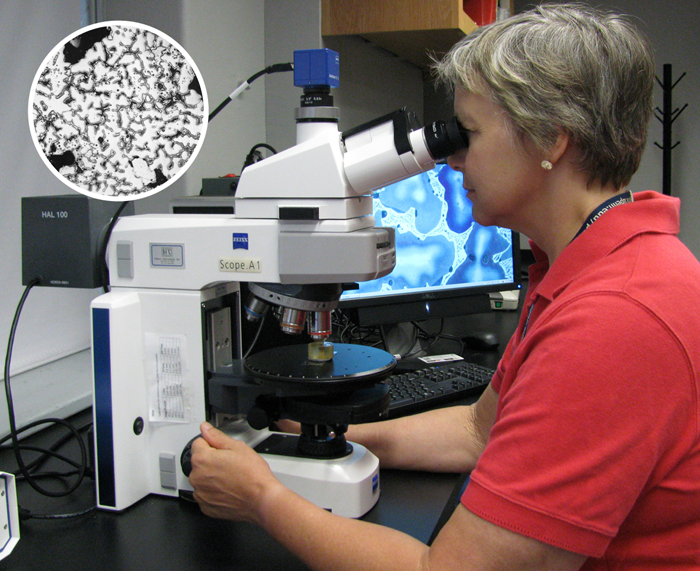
column 424, row 389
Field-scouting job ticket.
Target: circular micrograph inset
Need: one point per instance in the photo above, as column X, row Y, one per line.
column 118, row 111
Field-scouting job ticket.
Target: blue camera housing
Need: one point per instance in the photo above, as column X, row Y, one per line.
column 316, row 67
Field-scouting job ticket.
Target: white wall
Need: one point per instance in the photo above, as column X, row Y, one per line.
column 226, row 40
column 373, row 82
column 54, row 321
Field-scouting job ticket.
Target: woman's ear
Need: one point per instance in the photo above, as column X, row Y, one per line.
column 557, row 150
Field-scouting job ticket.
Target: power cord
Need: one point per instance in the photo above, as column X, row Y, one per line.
column 433, row 338
column 257, row 336
column 80, row 469
column 254, row 154
column 276, row 68
column 104, row 241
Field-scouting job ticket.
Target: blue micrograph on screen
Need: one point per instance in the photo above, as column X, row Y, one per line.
column 438, row 243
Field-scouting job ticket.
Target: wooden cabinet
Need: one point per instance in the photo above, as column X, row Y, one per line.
column 411, row 29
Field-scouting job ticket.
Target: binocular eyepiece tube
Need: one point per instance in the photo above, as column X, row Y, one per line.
column 395, row 146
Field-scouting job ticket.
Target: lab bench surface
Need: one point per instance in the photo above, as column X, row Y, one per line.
column 167, row 533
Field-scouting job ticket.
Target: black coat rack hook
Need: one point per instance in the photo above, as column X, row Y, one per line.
column 667, row 116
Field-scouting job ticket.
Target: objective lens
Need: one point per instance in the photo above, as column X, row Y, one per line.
column 445, row 139
column 255, row 308
column 292, row 320
column 320, row 324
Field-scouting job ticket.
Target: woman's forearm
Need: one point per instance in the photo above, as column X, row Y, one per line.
column 443, row 440
column 332, row 543
column 231, row 481
column 440, row 440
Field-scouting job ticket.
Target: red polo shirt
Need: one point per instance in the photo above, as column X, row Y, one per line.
column 596, row 445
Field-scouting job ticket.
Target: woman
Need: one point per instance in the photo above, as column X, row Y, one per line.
column 584, row 451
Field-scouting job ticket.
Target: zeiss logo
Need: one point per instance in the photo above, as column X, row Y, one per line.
column 240, row 241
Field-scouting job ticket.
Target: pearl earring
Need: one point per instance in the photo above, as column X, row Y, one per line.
column 546, row 165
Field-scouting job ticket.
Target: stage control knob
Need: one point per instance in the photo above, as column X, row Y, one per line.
column 186, row 457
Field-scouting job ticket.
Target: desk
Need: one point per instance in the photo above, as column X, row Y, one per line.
column 171, row 535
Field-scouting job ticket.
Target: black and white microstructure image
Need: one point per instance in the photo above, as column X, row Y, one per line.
column 118, row 111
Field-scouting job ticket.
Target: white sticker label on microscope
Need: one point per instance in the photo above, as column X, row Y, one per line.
column 243, row 265
column 167, row 255
column 166, row 367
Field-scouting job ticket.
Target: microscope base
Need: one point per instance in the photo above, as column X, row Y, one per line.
column 347, row 486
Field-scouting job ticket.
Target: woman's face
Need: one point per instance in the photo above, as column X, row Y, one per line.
column 501, row 174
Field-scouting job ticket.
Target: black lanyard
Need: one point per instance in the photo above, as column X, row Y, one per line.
column 624, row 198
column 609, row 204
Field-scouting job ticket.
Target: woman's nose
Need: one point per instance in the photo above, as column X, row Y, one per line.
column 456, row 161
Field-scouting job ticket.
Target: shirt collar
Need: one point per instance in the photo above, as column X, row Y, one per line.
column 650, row 212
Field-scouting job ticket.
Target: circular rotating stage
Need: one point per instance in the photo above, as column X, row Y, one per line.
column 352, row 367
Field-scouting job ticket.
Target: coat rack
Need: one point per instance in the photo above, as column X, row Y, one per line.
column 667, row 116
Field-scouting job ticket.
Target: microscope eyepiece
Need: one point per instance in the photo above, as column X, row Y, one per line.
column 393, row 147
column 445, row 138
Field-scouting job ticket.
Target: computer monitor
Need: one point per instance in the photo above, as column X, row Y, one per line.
column 446, row 264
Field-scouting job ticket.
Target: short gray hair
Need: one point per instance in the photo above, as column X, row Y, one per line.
column 570, row 67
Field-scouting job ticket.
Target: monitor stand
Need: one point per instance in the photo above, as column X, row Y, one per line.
column 401, row 339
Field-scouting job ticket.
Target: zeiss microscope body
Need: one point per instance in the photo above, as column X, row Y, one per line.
column 167, row 349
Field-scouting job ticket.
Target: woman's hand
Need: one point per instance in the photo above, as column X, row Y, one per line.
column 230, row 480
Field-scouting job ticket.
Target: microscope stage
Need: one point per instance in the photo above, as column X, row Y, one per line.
column 352, row 367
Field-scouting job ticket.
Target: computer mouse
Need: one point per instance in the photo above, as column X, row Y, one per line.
column 481, row 341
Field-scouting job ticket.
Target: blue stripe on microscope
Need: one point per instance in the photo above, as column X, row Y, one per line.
column 103, row 407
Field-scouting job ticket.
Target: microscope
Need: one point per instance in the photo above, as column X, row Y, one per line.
column 167, row 349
